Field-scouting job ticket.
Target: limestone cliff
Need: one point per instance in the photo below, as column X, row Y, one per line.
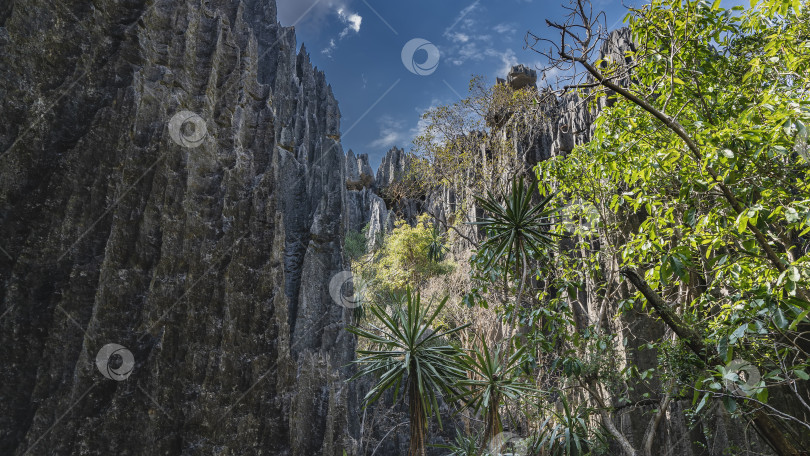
column 173, row 182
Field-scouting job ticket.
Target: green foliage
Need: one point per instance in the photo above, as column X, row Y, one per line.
column 713, row 204
column 409, row 255
column 355, row 245
column 515, row 228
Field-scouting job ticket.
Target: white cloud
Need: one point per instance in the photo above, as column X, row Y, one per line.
column 387, row 140
column 352, row 21
column 392, row 133
column 505, row 29
column 465, row 40
column 470, row 51
column 461, row 16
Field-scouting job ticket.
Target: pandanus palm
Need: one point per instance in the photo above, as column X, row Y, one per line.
column 567, row 431
column 404, row 348
column 437, row 246
column 492, row 380
column 516, row 229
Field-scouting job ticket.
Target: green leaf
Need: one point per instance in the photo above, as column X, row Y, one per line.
column 722, row 348
column 779, row 319
column 762, row 395
column 742, row 222
column 799, row 319
column 691, row 220
column 730, row 404
column 791, row 215
column 794, row 274
column 739, row 333
column 702, row 402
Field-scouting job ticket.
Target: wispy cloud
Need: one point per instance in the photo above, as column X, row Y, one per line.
column 352, row 22
column 459, row 37
column 505, row 29
column 329, row 49
column 462, row 16
column 392, row 133
column 466, row 42
column 508, row 60
column 401, row 133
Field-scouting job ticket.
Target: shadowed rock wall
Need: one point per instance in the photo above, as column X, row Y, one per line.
column 202, row 244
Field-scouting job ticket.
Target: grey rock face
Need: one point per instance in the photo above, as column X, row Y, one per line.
column 362, row 166
column 392, row 168
column 380, row 220
column 358, row 172
column 521, row 76
column 364, row 207
column 352, row 170
column 210, row 264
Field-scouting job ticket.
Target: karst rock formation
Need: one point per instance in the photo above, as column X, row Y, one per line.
column 172, row 182
column 173, row 203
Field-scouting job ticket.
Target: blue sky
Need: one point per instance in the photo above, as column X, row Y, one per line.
column 359, row 43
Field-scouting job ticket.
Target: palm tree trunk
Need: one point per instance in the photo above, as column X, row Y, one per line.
column 494, row 426
column 518, row 298
column 417, row 443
